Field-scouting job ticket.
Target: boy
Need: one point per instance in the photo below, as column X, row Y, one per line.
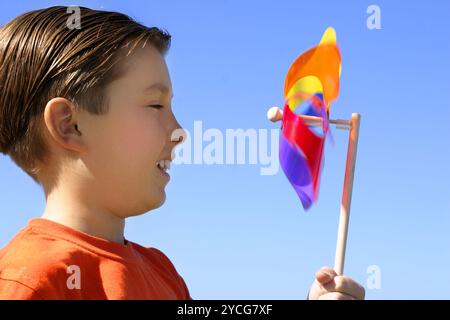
column 86, row 112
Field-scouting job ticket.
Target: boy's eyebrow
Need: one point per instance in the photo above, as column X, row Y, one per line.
column 159, row 86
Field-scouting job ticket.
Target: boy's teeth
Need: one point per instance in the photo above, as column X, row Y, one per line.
column 163, row 164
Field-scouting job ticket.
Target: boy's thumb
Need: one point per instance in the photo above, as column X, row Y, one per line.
column 325, row 275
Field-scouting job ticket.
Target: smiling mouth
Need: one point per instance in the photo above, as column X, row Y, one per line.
column 164, row 166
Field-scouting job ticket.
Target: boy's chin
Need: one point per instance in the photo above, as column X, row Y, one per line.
column 161, row 201
column 156, row 202
column 153, row 203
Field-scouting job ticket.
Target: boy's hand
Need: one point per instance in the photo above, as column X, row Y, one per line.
column 329, row 286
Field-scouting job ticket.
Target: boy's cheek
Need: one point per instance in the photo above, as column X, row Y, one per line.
column 135, row 147
column 138, row 144
column 126, row 143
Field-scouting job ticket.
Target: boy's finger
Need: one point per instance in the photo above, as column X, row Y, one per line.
column 325, row 275
column 335, row 296
column 345, row 285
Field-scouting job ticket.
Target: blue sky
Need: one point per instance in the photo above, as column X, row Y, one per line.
column 233, row 233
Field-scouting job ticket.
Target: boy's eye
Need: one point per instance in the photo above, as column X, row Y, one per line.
column 157, row 106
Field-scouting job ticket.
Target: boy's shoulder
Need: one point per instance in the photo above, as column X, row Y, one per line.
column 156, row 257
column 36, row 249
column 33, row 262
column 44, row 260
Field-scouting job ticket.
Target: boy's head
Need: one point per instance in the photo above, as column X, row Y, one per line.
column 88, row 109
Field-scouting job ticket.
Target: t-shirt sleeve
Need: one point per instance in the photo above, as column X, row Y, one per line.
column 169, row 265
column 187, row 295
column 14, row 290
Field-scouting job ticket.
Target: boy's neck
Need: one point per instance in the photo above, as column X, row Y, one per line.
column 71, row 212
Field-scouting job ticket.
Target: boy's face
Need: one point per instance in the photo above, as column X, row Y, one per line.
column 125, row 145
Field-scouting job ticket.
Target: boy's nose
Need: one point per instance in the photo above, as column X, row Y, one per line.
column 178, row 134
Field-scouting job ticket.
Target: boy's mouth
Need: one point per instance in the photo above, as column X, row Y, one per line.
column 163, row 165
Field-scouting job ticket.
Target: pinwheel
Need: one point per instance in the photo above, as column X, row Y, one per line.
column 311, row 85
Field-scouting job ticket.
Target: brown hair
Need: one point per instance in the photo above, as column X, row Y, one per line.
column 41, row 57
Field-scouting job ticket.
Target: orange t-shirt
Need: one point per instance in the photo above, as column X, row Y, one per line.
column 47, row 260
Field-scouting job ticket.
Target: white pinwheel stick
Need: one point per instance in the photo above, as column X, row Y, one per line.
column 275, row 114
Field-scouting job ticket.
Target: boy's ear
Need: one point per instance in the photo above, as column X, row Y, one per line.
column 60, row 117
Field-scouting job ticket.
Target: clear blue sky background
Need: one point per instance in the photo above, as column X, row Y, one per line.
column 233, row 233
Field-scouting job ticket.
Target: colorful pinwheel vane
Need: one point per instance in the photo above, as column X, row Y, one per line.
column 311, row 85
